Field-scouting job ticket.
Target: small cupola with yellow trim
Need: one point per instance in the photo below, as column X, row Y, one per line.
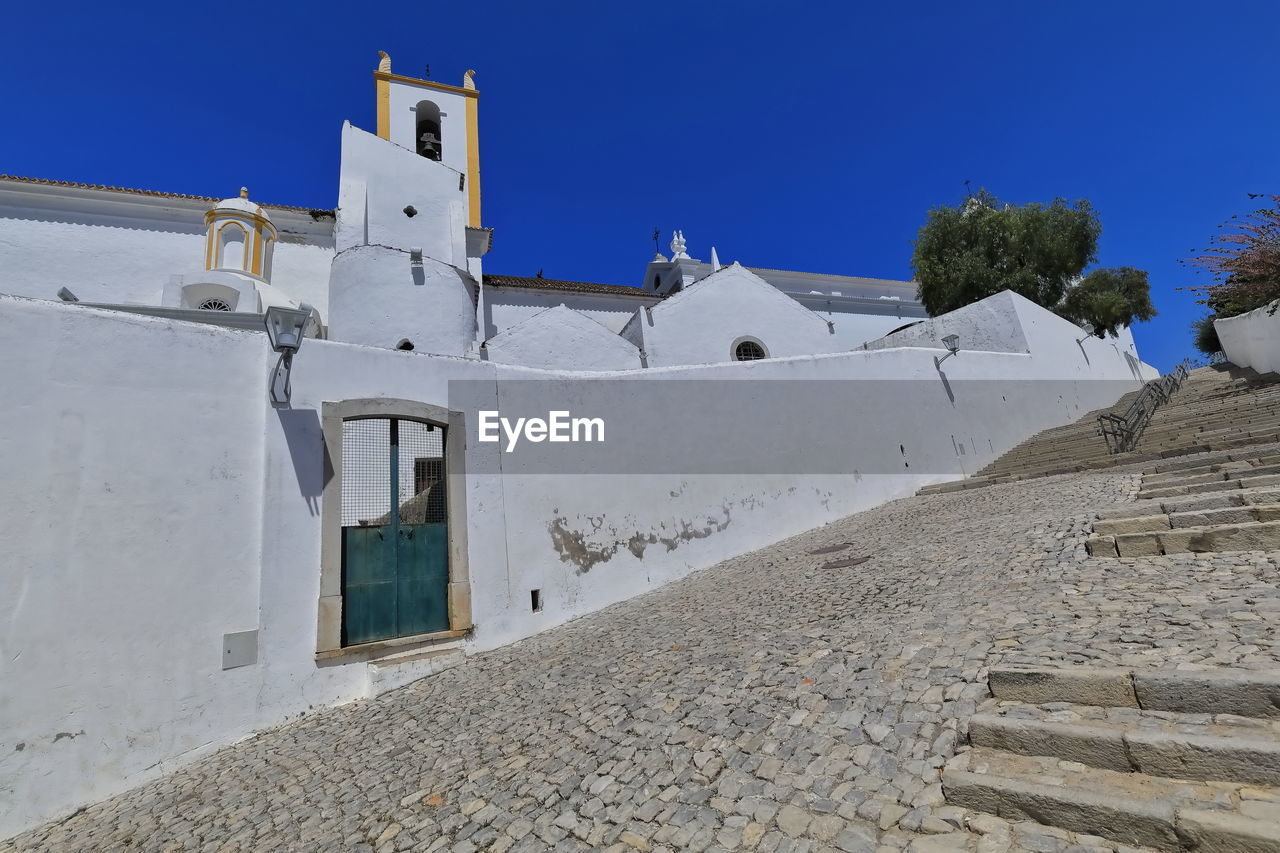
column 240, row 241
column 241, row 237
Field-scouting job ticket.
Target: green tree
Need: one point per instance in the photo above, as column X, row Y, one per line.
column 969, row 252
column 1108, row 300
column 1206, row 335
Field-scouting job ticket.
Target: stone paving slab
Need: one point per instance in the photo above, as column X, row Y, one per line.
column 766, row 704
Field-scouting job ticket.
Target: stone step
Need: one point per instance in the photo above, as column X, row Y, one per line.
column 1202, row 747
column 1191, row 503
column 1217, row 509
column 1223, row 690
column 1250, row 482
column 1240, row 462
column 397, row 670
column 1131, row 808
column 1252, row 536
column 1192, row 462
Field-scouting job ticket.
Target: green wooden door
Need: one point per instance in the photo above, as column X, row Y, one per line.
column 395, row 538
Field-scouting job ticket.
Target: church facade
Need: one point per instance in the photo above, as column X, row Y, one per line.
column 193, row 556
column 399, row 263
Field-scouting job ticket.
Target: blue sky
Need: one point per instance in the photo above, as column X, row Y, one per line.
column 807, row 136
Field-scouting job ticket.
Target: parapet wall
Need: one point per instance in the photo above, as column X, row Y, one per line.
column 154, row 502
column 1252, row 339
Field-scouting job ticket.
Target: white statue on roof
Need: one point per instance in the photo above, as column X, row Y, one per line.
column 678, row 246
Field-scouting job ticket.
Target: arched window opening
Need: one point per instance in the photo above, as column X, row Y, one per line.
column 405, row 345
column 749, row 350
column 657, row 281
column 231, row 243
column 215, row 305
column 427, row 137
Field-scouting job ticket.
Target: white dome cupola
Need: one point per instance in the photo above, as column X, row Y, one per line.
column 241, row 237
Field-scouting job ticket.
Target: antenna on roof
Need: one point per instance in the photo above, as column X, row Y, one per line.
column 426, row 71
column 539, row 273
column 968, row 190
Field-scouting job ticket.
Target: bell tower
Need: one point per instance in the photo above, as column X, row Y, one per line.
column 435, row 121
column 408, row 240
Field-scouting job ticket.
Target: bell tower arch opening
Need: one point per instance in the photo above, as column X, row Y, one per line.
column 427, row 138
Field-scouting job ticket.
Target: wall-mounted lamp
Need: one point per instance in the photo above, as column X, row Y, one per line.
column 415, row 256
column 286, row 327
column 952, row 343
column 67, row 296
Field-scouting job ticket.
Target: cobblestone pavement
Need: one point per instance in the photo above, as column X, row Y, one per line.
column 766, row 704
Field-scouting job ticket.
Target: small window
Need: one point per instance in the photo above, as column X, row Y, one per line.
column 749, row 350
column 214, row 305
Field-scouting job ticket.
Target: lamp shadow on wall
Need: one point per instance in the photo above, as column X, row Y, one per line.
column 303, row 434
column 946, row 384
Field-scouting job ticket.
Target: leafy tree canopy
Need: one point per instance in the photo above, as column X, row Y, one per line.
column 981, row 247
column 1108, row 300
column 1243, row 262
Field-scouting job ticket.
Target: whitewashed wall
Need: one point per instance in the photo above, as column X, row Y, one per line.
column 700, row 324
column 1252, row 339
column 508, row 306
column 120, row 247
column 154, row 501
column 561, row 338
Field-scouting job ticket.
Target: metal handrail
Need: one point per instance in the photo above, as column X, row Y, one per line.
column 1121, row 432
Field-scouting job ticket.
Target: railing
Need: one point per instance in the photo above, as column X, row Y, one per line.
column 1121, row 432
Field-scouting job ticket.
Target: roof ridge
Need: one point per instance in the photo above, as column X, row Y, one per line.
column 53, row 182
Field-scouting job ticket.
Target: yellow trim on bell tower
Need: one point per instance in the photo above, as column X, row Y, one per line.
column 473, row 162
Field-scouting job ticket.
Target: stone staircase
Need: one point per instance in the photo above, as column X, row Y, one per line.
column 1228, row 503
column 1167, row 759
column 1217, row 408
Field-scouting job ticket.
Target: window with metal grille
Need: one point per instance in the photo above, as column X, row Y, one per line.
column 214, row 305
column 366, row 472
column 749, row 351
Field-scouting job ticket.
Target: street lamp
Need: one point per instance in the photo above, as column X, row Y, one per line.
column 952, row 343
column 286, row 327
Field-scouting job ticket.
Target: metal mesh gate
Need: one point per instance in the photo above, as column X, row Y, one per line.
column 394, row 529
column 366, row 472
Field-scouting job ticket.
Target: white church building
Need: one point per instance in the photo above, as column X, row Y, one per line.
column 194, row 555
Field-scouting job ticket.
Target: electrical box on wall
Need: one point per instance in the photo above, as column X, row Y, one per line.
column 239, row 649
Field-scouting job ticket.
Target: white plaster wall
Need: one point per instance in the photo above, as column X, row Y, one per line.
column 378, row 179
column 991, row 325
column 853, row 330
column 131, row 516
column 113, row 247
column 561, row 338
column 378, row 298
column 163, row 503
column 1252, row 339
column 508, row 306
column 700, row 324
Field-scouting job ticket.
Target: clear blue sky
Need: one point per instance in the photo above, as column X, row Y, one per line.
column 808, row 136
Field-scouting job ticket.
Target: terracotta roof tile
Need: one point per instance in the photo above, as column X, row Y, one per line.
column 153, row 193
column 558, row 284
